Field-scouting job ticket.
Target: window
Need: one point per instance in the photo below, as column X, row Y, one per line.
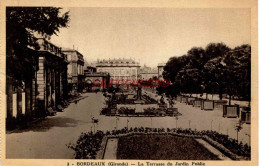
column 69, row 57
column 74, row 69
column 133, row 71
column 69, row 70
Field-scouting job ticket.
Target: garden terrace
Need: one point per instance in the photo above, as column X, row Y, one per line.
column 130, row 98
column 125, row 105
column 89, row 144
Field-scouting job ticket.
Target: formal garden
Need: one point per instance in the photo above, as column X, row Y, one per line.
column 128, row 104
column 141, row 143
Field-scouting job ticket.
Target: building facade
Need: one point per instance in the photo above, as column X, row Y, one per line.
column 160, row 70
column 75, row 70
column 41, row 89
column 120, row 69
column 148, row 73
column 96, row 80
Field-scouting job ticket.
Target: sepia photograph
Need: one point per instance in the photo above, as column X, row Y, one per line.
column 128, row 83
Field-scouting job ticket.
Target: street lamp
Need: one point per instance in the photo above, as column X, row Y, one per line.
column 127, row 123
column 94, row 121
column 116, row 121
column 211, row 125
column 227, row 131
column 238, row 127
column 176, row 121
column 249, row 137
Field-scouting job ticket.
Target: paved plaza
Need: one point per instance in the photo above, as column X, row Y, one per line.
column 48, row 138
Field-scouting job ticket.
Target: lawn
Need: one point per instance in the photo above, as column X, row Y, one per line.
column 162, row 147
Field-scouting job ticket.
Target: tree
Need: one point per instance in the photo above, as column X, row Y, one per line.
column 213, row 69
column 22, row 23
column 190, row 75
column 217, row 69
column 171, row 72
column 214, row 50
column 173, row 66
column 237, row 68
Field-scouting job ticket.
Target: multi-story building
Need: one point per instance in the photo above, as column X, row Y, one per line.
column 160, row 70
column 41, row 88
column 75, row 69
column 148, row 73
column 120, row 69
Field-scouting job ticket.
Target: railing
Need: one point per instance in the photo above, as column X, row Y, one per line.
column 47, row 46
column 118, row 64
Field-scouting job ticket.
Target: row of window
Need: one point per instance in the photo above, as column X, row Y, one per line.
column 75, row 69
column 127, row 72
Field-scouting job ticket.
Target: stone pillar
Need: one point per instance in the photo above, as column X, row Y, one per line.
column 34, row 96
column 14, row 105
column 48, row 87
column 61, row 84
column 9, row 93
column 23, row 103
column 58, row 85
column 135, row 74
column 53, row 88
column 41, row 91
column 28, row 98
column 19, row 101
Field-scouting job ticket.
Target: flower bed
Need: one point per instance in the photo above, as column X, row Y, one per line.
column 89, row 144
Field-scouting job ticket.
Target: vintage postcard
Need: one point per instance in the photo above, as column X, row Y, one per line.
column 133, row 83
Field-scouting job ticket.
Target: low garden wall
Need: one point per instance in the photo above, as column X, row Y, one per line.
column 219, row 103
column 245, row 115
column 231, row 111
column 207, row 105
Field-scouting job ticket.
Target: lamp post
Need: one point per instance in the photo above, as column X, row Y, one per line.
column 176, row 121
column 94, row 121
column 249, row 137
column 116, row 121
column 151, row 122
column 127, row 121
column 238, row 127
column 189, row 124
column 211, row 125
column 227, row 131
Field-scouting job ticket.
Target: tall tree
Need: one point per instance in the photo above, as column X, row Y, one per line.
column 21, row 24
column 237, row 63
column 213, row 69
column 191, row 72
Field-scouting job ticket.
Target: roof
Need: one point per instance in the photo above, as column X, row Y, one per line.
column 117, row 62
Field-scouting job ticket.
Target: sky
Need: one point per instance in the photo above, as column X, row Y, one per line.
column 151, row 35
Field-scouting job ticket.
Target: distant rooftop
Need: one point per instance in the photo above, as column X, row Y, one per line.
column 161, row 64
column 70, row 50
column 117, row 62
